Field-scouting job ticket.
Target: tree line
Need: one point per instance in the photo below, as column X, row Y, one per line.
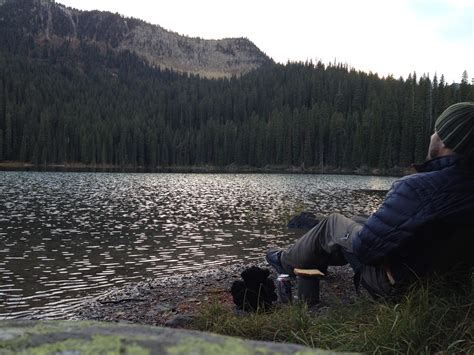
column 77, row 103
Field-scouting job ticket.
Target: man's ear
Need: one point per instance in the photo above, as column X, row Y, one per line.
column 445, row 150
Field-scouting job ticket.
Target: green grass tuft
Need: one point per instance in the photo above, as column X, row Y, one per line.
column 428, row 319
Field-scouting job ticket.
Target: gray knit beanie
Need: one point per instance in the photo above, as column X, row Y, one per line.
column 455, row 127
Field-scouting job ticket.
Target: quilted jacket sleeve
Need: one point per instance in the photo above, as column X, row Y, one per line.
column 391, row 225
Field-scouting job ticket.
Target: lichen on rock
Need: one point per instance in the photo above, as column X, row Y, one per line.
column 75, row 337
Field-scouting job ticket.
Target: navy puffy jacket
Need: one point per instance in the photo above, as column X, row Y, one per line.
column 399, row 233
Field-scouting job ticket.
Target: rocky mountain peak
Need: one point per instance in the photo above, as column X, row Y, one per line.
column 54, row 23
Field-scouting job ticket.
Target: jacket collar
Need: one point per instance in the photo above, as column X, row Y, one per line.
column 436, row 163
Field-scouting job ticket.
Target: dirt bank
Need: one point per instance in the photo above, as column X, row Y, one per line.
column 174, row 300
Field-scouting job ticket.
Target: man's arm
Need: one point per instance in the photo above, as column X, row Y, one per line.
column 391, row 225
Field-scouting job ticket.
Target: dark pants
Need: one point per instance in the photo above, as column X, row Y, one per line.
column 330, row 243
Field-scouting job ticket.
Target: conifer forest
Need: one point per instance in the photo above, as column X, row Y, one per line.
column 79, row 103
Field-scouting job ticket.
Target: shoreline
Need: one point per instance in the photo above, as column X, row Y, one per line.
column 173, row 301
column 205, row 169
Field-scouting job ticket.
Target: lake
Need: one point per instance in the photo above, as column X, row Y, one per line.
column 66, row 236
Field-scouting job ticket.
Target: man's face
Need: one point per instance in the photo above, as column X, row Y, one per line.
column 436, row 145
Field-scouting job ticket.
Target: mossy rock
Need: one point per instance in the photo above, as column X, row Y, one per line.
column 73, row 337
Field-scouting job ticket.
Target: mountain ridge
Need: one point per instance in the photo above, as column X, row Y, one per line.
column 53, row 23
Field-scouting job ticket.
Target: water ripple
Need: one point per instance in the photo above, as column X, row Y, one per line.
column 64, row 236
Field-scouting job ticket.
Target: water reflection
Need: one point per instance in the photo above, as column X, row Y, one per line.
column 65, row 234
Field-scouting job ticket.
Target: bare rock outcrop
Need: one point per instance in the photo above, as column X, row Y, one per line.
column 47, row 22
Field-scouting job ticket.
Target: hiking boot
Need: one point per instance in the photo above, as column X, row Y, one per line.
column 273, row 258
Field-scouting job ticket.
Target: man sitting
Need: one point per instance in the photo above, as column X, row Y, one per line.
column 424, row 226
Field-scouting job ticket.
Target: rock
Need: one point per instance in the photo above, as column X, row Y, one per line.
column 179, row 321
column 67, row 337
column 160, row 308
column 123, row 321
column 8, row 334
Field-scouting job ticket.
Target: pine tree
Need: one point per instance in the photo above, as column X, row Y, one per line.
column 323, row 124
column 2, row 157
column 8, row 136
column 23, row 156
column 464, row 89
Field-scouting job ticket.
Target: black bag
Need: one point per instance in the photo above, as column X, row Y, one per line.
column 256, row 292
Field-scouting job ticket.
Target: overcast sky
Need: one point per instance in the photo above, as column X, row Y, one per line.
column 387, row 37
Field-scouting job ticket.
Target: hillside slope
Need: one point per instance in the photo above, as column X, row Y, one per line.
column 46, row 22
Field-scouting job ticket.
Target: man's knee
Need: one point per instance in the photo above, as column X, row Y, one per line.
column 336, row 220
column 334, row 217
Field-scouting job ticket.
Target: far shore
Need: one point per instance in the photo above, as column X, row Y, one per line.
column 202, row 169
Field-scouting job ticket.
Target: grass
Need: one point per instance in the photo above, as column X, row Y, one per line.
column 428, row 319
